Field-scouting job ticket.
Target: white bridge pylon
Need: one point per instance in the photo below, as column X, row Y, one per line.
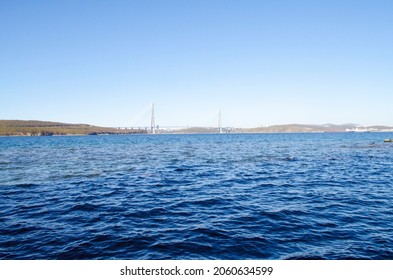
column 152, row 120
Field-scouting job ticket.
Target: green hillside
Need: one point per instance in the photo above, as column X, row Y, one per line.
column 44, row 128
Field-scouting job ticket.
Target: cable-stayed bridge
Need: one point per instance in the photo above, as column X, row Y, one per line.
column 154, row 128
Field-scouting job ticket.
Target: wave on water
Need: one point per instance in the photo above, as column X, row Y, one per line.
column 268, row 196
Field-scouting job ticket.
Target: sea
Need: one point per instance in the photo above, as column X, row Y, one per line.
column 217, row 196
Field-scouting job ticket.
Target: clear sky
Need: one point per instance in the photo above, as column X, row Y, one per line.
column 262, row 62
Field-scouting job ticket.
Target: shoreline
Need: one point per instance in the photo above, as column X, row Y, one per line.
column 45, row 128
column 196, row 133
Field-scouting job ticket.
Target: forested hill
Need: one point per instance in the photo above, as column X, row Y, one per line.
column 44, row 128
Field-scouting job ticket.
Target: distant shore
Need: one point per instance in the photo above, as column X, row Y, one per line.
column 45, row 128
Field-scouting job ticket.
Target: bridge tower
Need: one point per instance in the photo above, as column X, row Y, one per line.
column 219, row 122
column 152, row 121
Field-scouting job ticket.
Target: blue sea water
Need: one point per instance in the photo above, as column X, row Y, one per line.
column 224, row 196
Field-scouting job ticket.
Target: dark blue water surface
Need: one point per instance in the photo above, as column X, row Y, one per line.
column 250, row 196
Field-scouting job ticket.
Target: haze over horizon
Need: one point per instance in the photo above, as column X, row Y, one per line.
column 261, row 62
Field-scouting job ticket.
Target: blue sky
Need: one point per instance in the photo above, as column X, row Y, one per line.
column 262, row 62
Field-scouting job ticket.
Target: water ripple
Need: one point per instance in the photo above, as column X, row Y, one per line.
column 273, row 196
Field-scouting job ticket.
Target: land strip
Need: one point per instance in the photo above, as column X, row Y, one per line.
column 44, row 128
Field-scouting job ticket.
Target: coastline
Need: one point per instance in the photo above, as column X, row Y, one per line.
column 45, row 128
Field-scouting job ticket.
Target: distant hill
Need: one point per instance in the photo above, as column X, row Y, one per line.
column 45, row 128
column 195, row 130
column 288, row 128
